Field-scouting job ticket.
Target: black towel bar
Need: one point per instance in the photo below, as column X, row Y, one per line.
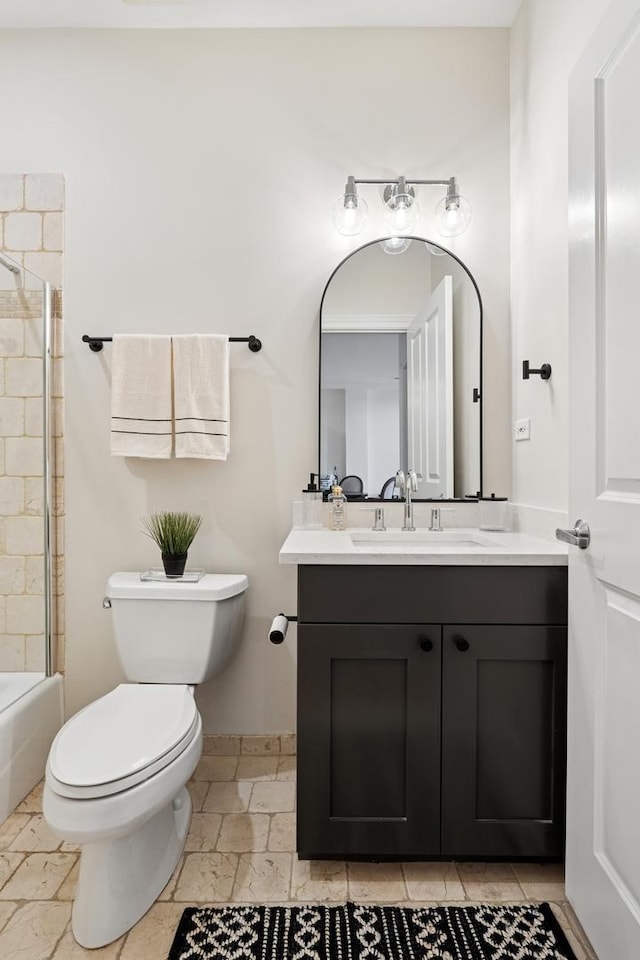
column 96, row 343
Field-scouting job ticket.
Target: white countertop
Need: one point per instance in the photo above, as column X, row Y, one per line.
column 476, row 547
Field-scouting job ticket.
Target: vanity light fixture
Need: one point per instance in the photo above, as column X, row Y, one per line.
column 453, row 212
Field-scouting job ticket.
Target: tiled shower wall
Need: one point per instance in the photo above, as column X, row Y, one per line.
column 31, row 233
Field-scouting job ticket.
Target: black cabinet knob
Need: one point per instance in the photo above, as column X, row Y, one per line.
column 461, row 644
column 425, row 644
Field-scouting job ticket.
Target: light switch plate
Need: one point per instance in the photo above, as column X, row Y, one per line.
column 522, row 429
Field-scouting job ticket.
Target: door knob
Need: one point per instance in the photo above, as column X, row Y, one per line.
column 579, row 536
column 462, row 644
column 425, row 644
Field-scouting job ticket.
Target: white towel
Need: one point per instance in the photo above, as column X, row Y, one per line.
column 141, row 397
column 201, row 396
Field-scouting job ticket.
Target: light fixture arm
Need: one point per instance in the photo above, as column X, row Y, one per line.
column 453, row 194
column 350, row 189
column 451, row 184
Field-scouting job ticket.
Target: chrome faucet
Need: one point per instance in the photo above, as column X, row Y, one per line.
column 407, row 484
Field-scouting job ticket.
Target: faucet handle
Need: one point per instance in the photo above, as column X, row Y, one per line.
column 378, row 517
column 436, row 516
column 378, row 523
column 412, row 478
column 401, row 480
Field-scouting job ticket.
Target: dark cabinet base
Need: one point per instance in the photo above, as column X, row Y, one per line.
column 503, row 741
column 431, row 740
column 368, row 740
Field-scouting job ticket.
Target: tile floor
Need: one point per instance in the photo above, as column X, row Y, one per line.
column 239, row 850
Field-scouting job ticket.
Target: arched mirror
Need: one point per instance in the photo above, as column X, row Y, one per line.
column 401, row 371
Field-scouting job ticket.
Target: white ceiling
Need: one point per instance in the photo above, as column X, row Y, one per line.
column 257, row 13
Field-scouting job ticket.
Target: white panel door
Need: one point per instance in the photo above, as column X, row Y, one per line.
column 603, row 800
column 430, row 394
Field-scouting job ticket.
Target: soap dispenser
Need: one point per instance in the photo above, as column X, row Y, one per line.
column 337, row 513
column 312, row 505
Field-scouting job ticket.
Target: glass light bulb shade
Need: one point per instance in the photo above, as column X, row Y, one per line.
column 402, row 213
column 453, row 216
column 394, row 245
column 350, row 214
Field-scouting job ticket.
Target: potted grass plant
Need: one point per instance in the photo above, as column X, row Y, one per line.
column 174, row 533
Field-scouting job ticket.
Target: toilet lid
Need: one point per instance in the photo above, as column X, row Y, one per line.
column 212, row 586
column 122, row 735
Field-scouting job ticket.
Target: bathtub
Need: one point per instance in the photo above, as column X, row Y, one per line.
column 30, row 717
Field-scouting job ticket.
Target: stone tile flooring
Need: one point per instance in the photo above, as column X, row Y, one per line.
column 240, row 850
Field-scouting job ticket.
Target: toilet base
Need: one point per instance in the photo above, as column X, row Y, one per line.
column 120, row 879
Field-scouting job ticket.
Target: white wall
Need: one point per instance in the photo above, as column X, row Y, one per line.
column 380, row 283
column 546, row 41
column 200, row 170
column 367, row 369
column 383, row 433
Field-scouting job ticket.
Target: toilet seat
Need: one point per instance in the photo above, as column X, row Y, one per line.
column 122, row 739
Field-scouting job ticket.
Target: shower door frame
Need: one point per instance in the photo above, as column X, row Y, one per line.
column 47, row 472
column 47, row 475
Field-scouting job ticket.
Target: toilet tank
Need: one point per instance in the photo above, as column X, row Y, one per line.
column 175, row 631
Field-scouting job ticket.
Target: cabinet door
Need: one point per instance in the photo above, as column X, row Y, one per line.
column 503, row 741
column 368, row 740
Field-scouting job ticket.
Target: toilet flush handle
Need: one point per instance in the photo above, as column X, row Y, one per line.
column 106, row 603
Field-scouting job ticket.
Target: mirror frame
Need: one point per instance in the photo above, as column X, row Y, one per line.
column 432, row 243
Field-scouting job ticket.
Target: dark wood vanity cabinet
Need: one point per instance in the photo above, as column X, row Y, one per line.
column 503, row 740
column 431, row 711
column 368, row 740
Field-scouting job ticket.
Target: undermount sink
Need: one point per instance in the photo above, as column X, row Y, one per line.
column 419, row 538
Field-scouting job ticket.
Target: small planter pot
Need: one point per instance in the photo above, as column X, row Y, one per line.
column 174, row 564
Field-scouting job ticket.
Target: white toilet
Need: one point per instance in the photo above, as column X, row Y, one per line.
column 117, row 771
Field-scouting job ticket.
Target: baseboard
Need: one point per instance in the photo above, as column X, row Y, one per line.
column 253, row 745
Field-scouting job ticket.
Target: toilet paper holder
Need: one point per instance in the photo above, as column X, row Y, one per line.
column 279, row 627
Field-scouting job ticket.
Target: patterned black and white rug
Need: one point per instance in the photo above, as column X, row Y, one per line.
column 355, row 931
